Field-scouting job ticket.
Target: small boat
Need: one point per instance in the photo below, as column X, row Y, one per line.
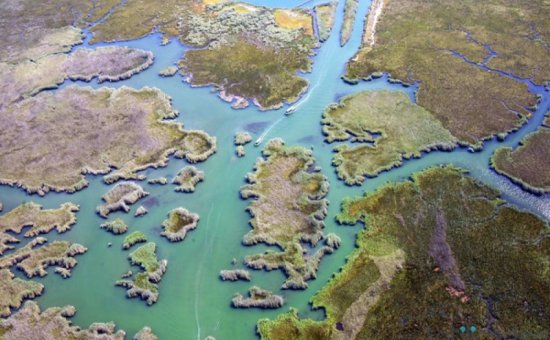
column 258, row 141
column 290, row 110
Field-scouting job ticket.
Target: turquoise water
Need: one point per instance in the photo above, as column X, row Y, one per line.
column 193, row 302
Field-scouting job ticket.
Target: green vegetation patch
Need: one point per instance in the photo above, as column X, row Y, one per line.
column 528, row 164
column 111, row 63
column 387, row 127
column 37, row 255
column 350, row 11
column 326, row 13
column 144, row 284
column 415, row 40
column 40, row 221
column 247, row 70
column 135, row 140
column 134, row 238
column 438, row 252
column 116, row 226
column 180, row 221
column 288, row 209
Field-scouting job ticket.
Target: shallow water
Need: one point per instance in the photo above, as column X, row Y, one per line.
column 193, row 302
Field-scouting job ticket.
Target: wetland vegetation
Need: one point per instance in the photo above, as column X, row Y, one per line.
column 37, row 254
column 453, row 65
column 133, row 238
column 72, row 117
column 288, row 210
column 188, row 178
column 53, row 323
column 528, row 164
column 180, row 221
column 235, row 275
column 326, row 14
column 350, row 10
column 441, row 255
column 258, row 298
column 437, row 252
column 38, row 220
column 116, row 226
column 120, row 197
column 228, row 35
column 387, row 128
column 144, row 284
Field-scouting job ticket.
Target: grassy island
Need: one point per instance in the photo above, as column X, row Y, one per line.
column 227, row 35
column 288, row 208
column 116, row 226
column 425, row 42
column 40, row 221
column 326, row 14
column 528, row 164
column 132, row 239
column 258, row 298
column 136, row 139
column 119, row 197
column 242, row 138
column 146, row 333
column 144, row 284
column 169, row 71
column 350, row 11
column 14, row 290
column 240, row 151
column 438, row 252
column 180, row 221
column 387, row 128
column 30, row 323
column 188, row 178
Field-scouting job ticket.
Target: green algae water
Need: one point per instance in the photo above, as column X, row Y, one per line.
column 193, row 302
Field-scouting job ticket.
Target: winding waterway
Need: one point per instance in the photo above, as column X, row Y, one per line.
column 193, row 302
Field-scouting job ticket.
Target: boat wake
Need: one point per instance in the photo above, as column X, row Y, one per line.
column 263, row 135
column 198, row 278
